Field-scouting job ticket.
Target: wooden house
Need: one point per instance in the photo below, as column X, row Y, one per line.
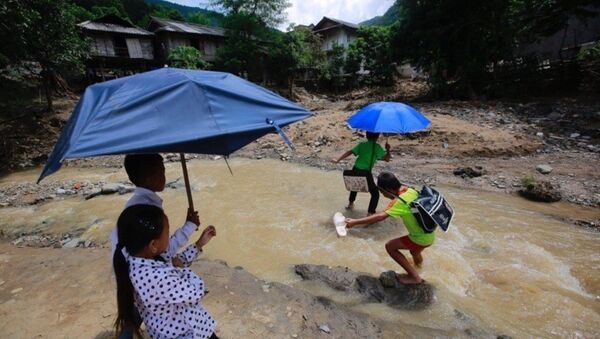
column 171, row 34
column 117, row 47
column 334, row 31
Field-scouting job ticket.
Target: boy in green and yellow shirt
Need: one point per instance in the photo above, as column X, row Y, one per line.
column 367, row 154
column 416, row 240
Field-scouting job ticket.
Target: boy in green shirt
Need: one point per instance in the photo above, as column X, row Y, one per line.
column 416, row 240
column 367, row 153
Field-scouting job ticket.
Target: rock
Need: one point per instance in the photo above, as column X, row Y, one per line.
column 325, row 328
column 445, row 145
column 574, row 135
column 544, row 169
column 539, row 134
column 16, row 290
column 542, row 191
column 469, row 172
column 385, row 289
column 72, row 243
column 61, row 191
column 371, row 287
column 177, row 184
column 93, row 193
column 339, row 278
column 110, row 188
column 124, row 189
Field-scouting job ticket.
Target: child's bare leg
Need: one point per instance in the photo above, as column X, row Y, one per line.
column 393, row 248
column 417, row 258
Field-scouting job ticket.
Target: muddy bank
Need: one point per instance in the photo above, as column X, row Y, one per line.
column 71, row 291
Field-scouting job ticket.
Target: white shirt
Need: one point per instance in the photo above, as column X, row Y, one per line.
column 168, row 298
column 143, row 196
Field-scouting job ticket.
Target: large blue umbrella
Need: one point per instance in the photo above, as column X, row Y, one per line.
column 389, row 117
column 171, row 110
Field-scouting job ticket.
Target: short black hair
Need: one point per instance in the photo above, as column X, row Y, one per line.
column 372, row 136
column 138, row 166
column 387, row 181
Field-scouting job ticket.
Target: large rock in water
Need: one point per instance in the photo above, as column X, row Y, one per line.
column 385, row 289
column 542, row 191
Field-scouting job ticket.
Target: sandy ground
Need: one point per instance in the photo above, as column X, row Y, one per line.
column 69, row 293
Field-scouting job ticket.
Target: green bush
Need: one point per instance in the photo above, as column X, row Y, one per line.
column 528, row 182
column 591, row 53
column 187, row 57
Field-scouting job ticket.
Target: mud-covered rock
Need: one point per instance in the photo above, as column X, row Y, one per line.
column 339, row 278
column 469, row 172
column 385, row 289
column 541, row 191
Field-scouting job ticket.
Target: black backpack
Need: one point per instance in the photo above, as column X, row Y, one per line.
column 431, row 210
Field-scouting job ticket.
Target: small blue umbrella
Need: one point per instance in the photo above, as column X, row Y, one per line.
column 171, row 110
column 389, row 117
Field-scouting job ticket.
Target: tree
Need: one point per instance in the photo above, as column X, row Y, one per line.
column 187, row 57
column 249, row 25
column 332, row 72
column 454, row 40
column 355, row 54
column 270, row 12
column 243, row 48
column 44, row 34
column 297, row 50
column 166, row 12
column 458, row 43
column 198, row 18
column 372, row 51
column 79, row 13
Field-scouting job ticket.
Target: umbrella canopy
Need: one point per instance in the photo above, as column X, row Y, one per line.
column 389, row 117
column 171, row 110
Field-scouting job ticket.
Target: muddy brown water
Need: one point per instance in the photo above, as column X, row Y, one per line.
column 506, row 266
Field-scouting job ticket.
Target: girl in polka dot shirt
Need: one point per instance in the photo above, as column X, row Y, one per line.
column 167, row 298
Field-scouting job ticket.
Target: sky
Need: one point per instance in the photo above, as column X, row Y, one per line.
column 311, row 11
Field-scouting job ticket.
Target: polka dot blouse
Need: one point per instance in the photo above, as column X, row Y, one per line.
column 168, row 298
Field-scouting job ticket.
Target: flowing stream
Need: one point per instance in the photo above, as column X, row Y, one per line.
column 507, row 265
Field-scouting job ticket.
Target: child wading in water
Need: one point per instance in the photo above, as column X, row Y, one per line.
column 416, row 240
column 367, row 154
column 167, row 297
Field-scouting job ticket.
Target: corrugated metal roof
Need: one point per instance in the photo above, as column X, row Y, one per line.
column 345, row 23
column 338, row 21
column 107, row 27
column 186, row 27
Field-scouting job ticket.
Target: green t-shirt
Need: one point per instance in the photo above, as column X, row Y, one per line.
column 364, row 152
column 398, row 209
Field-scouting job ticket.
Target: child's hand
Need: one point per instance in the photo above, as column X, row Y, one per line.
column 350, row 222
column 177, row 262
column 207, row 234
column 193, row 217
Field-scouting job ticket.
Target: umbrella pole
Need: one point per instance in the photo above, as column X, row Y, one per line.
column 188, row 189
